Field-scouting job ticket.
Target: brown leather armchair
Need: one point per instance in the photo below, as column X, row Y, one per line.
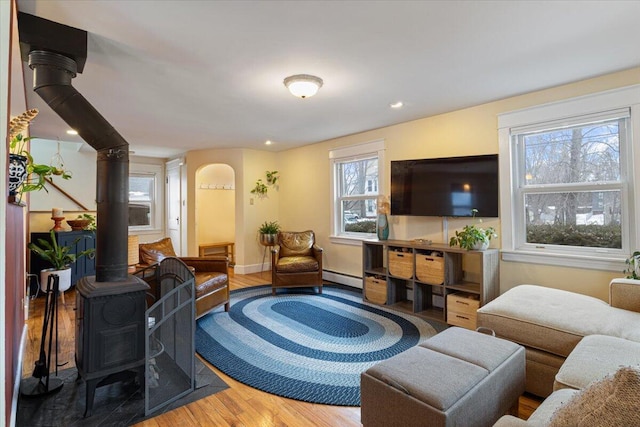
column 296, row 261
column 211, row 274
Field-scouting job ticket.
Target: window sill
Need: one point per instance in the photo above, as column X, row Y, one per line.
column 349, row 240
column 606, row 263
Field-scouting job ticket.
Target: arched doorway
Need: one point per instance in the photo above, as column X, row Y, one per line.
column 215, row 204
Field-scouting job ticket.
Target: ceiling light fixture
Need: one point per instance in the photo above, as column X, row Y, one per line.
column 398, row 104
column 72, row 132
column 303, row 85
column 267, row 142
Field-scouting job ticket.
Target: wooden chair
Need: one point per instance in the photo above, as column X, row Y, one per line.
column 296, row 261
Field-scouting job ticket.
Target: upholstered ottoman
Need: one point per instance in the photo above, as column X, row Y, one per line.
column 595, row 357
column 456, row 378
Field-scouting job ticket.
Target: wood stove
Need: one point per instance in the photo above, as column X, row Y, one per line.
column 110, row 332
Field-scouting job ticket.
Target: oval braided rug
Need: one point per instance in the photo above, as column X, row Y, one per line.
column 302, row 345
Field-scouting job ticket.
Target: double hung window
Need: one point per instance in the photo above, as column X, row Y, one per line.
column 356, row 173
column 571, row 183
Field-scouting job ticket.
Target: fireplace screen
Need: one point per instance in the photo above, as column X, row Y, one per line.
column 170, row 347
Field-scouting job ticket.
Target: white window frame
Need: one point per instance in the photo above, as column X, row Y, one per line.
column 341, row 155
column 157, row 210
column 512, row 219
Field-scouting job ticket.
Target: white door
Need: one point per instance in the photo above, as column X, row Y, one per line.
column 174, row 204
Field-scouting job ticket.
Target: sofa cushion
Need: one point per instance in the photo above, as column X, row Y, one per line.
column 296, row 243
column 595, row 357
column 554, row 320
column 151, row 253
column 612, row 401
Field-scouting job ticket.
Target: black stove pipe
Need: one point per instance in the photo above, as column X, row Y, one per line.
column 52, row 74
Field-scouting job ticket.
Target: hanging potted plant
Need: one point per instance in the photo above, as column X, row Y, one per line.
column 60, row 257
column 473, row 237
column 24, row 174
column 268, row 232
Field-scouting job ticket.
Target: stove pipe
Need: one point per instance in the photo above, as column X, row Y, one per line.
column 52, row 74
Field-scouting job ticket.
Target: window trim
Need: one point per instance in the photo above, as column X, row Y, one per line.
column 339, row 155
column 157, row 171
column 556, row 112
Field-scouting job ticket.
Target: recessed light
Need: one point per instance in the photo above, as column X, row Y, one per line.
column 398, row 104
column 72, row 132
column 267, row 142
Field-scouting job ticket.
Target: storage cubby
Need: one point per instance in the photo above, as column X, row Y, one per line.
column 419, row 277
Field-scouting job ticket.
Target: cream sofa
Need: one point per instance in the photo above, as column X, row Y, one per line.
column 549, row 323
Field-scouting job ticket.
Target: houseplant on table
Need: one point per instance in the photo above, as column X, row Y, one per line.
column 268, row 232
column 60, row 257
column 473, row 237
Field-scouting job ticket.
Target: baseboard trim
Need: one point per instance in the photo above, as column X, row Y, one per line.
column 17, row 378
column 343, row 279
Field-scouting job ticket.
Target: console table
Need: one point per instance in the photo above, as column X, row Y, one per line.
column 432, row 280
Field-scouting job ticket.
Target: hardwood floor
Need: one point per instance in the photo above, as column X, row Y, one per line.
column 237, row 406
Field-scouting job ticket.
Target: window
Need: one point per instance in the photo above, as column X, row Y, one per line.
column 570, row 190
column 356, row 172
column 145, row 191
column 141, row 199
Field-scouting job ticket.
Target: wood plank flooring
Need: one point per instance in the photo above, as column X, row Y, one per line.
column 238, row 406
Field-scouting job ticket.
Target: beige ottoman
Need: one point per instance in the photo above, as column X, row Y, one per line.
column 457, row 378
column 595, row 357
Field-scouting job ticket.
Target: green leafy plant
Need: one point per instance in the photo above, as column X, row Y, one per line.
column 59, row 256
column 260, row 188
column 37, row 174
column 271, row 227
column 471, row 235
column 633, row 266
column 272, row 177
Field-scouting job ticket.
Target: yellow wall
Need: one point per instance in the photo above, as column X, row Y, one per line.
column 215, row 207
column 250, row 210
column 305, row 171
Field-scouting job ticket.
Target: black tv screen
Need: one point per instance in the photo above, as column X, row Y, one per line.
column 451, row 186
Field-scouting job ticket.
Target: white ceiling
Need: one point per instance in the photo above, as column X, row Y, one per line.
column 173, row 76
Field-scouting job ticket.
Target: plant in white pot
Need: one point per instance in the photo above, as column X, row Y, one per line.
column 473, row 237
column 60, row 257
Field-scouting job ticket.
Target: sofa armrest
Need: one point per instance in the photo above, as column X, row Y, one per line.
column 510, row 421
column 218, row 263
column 625, row 294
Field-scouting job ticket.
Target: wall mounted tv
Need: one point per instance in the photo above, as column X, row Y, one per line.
column 449, row 186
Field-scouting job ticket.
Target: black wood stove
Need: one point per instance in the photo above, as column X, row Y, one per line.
column 111, row 320
column 110, row 332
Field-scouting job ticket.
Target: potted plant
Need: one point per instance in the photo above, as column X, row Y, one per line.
column 24, row 174
column 269, row 233
column 60, row 257
column 473, row 237
column 633, row 266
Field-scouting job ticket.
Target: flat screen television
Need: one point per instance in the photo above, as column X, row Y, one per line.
column 451, row 186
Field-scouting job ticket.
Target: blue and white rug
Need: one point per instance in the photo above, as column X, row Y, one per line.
column 305, row 346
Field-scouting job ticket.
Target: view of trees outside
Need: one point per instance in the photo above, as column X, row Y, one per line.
column 563, row 170
column 358, row 193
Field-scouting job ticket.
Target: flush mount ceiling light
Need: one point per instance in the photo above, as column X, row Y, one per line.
column 303, row 85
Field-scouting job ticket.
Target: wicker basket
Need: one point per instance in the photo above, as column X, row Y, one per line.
column 430, row 269
column 401, row 264
column 375, row 290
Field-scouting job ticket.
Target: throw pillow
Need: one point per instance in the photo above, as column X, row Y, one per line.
column 612, row 401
